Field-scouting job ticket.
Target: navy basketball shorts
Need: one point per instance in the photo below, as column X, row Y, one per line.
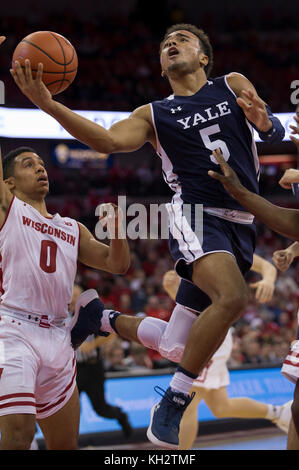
column 216, row 235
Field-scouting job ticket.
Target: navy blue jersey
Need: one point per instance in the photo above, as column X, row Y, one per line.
column 189, row 128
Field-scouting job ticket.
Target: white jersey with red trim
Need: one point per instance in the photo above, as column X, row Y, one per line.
column 38, row 261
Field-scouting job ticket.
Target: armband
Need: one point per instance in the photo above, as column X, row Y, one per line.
column 276, row 133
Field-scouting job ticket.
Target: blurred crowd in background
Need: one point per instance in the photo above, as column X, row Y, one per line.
column 119, row 70
column 119, row 57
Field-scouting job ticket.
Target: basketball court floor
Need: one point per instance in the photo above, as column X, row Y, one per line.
column 257, row 439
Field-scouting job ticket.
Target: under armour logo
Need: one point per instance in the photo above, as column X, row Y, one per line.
column 174, row 110
column 179, row 401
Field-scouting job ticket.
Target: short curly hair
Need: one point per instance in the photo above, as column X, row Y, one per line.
column 203, row 39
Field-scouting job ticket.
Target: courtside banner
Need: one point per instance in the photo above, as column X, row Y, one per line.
column 136, row 396
column 73, row 154
column 35, row 124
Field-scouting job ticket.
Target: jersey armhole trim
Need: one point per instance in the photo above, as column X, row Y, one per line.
column 230, row 89
column 79, row 239
column 155, row 129
column 8, row 211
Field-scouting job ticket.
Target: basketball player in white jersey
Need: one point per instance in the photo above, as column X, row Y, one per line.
column 211, row 384
column 38, row 263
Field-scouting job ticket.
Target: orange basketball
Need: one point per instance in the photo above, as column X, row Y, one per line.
column 57, row 55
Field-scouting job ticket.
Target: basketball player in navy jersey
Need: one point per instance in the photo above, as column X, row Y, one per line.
column 202, row 114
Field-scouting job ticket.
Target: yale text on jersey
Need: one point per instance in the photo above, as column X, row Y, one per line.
column 208, row 114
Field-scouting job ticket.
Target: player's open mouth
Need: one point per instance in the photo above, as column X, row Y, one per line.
column 172, row 51
column 42, row 179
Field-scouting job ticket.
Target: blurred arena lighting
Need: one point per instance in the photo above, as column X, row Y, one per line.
column 35, row 124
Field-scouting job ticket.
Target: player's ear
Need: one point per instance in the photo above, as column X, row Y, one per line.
column 10, row 183
column 164, row 75
column 203, row 59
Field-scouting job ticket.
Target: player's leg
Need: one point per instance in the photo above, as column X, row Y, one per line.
column 189, row 421
column 290, row 370
column 91, row 317
column 168, row 338
column 293, row 435
column 295, row 407
column 57, row 396
column 17, row 431
column 221, row 252
column 224, row 407
column 242, row 407
column 18, row 365
column 91, row 380
column 219, row 277
column 61, row 429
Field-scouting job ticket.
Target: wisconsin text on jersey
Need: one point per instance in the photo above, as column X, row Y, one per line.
column 220, row 109
column 45, row 228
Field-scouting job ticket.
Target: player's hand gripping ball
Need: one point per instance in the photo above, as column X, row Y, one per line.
column 55, row 52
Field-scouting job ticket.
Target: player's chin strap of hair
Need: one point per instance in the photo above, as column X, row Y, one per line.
column 276, row 133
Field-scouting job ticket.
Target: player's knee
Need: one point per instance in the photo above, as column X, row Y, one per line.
column 17, row 438
column 219, row 410
column 150, row 332
column 174, row 355
column 233, row 302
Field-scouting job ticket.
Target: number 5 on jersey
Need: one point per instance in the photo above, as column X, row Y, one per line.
column 214, row 144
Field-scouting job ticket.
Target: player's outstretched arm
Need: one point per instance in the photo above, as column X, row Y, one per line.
column 264, row 288
column 124, row 136
column 114, row 258
column 5, row 194
column 281, row 220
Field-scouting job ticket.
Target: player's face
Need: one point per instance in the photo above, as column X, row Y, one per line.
column 30, row 176
column 181, row 52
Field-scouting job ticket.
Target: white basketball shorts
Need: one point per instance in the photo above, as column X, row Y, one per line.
column 290, row 367
column 37, row 366
column 216, row 375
